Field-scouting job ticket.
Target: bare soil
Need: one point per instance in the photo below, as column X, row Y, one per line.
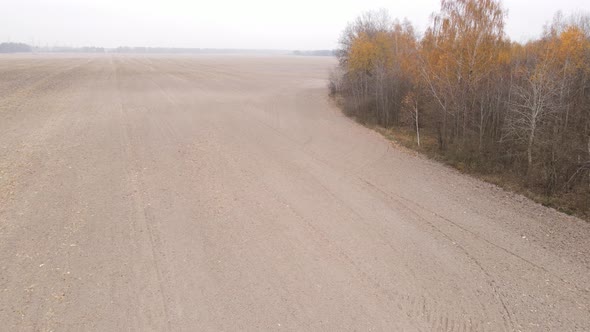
column 228, row 193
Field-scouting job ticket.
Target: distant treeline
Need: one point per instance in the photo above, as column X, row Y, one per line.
column 176, row 50
column 24, row 48
column 315, row 53
column 65, row 49
column 515, row 112
column 15, row 48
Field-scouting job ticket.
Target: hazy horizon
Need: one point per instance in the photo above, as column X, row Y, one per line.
column 260, row 24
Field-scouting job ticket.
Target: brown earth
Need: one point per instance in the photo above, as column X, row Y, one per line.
column 228, row 193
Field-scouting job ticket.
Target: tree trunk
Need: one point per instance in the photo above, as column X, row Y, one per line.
column 418, row 126
column 481, row 129
column 529, row 152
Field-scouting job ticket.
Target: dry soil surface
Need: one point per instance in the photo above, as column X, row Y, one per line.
column 229, row 193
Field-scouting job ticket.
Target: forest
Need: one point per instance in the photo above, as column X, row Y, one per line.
column 515, row 114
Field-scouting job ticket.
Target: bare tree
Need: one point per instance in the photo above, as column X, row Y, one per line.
column 534, row 100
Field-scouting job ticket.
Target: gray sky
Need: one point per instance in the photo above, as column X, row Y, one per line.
column 299, row 24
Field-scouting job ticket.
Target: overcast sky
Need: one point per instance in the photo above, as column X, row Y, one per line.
column 296, row 24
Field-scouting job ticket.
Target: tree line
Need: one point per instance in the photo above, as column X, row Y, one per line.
column 520, row 110
column 15, row 48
